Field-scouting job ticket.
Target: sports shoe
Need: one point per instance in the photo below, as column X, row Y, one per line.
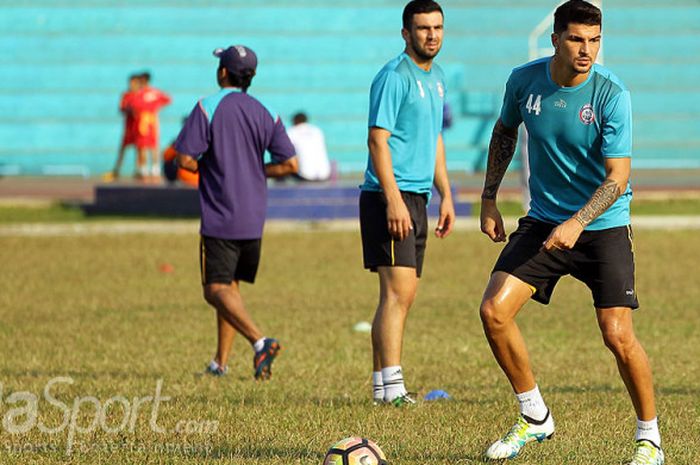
column 262, row 360
column 215, row 369
column 109, row 177
column 402, row 401
column 647, row 453
column 523, row 431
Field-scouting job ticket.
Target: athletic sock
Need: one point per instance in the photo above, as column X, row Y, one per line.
column 648, row 431
column 377, row 386
column 392, row 378
column 214, row 367
column 259, row 345
column 532, row 404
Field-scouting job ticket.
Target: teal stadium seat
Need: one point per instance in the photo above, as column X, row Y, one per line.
column 64, row 64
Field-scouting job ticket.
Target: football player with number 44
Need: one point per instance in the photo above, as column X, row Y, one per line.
column 579, row 121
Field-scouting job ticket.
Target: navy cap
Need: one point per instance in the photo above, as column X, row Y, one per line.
column 236, row 58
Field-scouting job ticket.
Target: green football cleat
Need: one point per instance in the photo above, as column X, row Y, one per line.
column 402, row 401
column 647, row 453
column 525, row 430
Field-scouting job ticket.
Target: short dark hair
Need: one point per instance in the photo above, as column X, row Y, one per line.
column 299, row 118
column 417, row 7
column 240, row 80
column 146, row 76
column 577, row 12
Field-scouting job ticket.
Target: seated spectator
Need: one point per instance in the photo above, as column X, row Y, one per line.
column 310, row 146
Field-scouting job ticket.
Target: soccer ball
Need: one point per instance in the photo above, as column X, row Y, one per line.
column 355, row 451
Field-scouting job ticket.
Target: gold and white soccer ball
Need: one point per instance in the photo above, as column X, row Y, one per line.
column 355, row 451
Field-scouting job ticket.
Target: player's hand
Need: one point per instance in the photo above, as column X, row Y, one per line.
column 447, row 218
column 398, row 219
column 491, row 221
column 564, row 236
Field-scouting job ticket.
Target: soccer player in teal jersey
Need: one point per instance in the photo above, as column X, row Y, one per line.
column 406, row 158
column 578, row 117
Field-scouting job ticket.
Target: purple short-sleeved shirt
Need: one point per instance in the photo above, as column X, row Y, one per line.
column 229, row 133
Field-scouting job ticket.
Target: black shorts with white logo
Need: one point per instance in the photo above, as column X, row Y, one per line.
column 379, row 248
column 226, row 260
column 603, row 260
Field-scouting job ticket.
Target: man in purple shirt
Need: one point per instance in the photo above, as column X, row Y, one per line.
column 224, row 139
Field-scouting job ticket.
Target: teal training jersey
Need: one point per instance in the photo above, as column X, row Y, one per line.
column 407, row 101
column 571, row 130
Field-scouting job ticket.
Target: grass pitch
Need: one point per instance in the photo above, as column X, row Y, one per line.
column 59, row 213
column 94, row 321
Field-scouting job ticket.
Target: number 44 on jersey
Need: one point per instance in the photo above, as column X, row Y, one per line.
column 535, row 106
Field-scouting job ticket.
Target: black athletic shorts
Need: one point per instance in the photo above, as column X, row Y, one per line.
column 224, row 260
column 379, row 248
column 603, row 260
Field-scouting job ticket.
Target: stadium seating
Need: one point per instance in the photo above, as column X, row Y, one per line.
column 63, row 65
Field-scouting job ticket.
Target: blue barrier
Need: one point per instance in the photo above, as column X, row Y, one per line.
column 299, row 202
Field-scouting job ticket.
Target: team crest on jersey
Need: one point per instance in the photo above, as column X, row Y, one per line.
column 441, row 90
column 586, row 114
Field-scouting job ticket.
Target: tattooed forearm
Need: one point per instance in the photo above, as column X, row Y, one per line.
column 602, row 198
column 501, row 150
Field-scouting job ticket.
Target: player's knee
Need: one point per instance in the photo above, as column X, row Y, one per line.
column 492, row 317
column 211, row 294
column 208, row 295
column 619, row 340
column 397, row 300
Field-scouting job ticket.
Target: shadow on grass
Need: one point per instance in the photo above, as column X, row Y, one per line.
column 262, row 452
column 606, row 388
column 304, row 455
column 85, row 375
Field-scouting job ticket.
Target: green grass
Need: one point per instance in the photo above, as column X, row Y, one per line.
column 98, row 310
column 63, row 213
column 672, row 206
column 680, row 206
column 58, row 212
column 42, row 213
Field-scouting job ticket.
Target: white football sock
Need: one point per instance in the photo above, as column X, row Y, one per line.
column 532, row 404
column 377, row 386
column 392, row 377
column 214, row 366
column 648, row 430
column 259, row 344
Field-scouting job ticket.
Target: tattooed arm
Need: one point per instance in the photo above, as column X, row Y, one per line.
column 501, row 150
column 566, row 234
